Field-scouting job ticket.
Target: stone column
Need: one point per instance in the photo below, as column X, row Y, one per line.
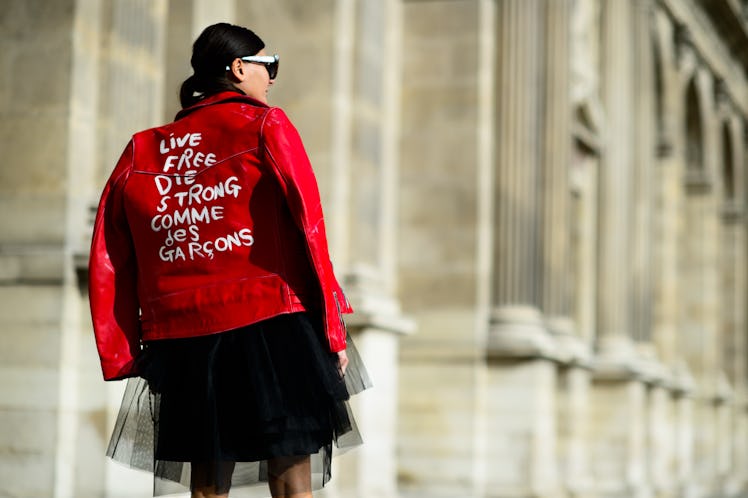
column 614, row 324
column 701, row 289
column 363, row 227
column 666, row 308
column 556, row 278
column 733, row 279
column 618, row 449
column 644, row 134
column 740, row 364
column 573, row 430
column 658, row 446
column 671, row 467
column 131, row 85
column 517, row 250
column 661, row 438
column 683, row 406
column 732, row 276
column 519, row 346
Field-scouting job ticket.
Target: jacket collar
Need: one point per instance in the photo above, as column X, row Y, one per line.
column 219, row 98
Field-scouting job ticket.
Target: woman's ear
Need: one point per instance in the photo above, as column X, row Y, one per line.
column 236, row 69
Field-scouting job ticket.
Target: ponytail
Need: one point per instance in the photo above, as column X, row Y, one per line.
column 196, row 88
column 187, row 92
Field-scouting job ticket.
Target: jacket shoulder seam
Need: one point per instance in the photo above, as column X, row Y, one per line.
column 264, row 146
column 126, row 173
column 262, row 123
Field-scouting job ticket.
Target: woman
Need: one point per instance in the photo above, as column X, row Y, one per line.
column 210, row 279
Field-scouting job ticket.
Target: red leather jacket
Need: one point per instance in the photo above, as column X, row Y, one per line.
column 207, row 224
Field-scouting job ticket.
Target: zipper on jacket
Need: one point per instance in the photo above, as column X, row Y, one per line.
column 340, row 315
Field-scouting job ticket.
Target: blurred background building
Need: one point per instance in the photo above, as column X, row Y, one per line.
column 537, row 208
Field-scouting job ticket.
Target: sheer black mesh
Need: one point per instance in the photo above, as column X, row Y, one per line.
column 268, row 390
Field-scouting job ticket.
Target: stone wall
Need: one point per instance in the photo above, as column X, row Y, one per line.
column 34, row 138
column 536, row 208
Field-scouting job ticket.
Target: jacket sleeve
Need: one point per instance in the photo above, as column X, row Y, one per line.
column 291, row 167
column 113, row 279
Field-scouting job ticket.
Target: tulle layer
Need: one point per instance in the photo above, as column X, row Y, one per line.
column 268, row 390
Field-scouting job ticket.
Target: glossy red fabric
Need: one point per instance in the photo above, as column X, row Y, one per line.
column 207, row 224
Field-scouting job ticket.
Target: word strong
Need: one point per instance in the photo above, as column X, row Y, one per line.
column 186, row 205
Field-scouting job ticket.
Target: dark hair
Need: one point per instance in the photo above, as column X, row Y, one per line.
column 216, row 47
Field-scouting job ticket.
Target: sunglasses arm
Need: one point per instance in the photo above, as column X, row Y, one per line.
column 265, row 59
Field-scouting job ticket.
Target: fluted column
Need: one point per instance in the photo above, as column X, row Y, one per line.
column 556, row 278
column 516, row 323
column 516, row 328
column 132, row 86
column 643, row 139
column 518, row 160
column 615, row 181
column 619, row 397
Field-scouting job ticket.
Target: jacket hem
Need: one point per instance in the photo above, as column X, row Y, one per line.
column 196, row 325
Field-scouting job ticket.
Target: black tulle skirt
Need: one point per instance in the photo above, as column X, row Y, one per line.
column 268, row 390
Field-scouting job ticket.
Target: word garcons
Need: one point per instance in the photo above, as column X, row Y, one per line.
column 204, row 249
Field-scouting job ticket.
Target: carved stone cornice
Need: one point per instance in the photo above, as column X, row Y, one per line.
column 731, row 26
column 682, row 383
column 518, row 332
column 571, row 349
column 700, row 42
column 374, row 307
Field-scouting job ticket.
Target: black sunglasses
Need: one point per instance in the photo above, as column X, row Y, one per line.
column 269, row 61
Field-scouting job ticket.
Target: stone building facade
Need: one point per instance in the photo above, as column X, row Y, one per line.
column 537, row 208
